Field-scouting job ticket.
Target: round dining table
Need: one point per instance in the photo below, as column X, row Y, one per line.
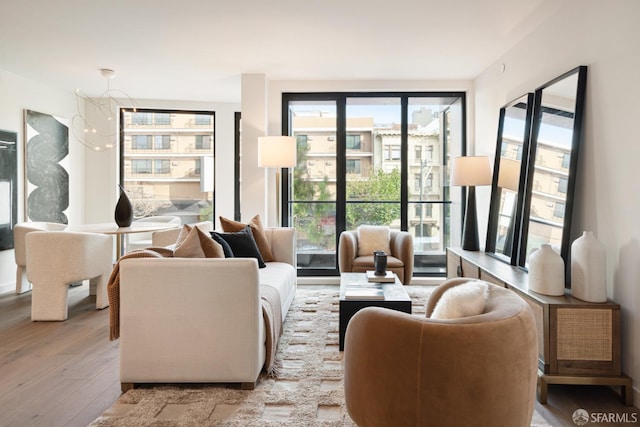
column 114, row 229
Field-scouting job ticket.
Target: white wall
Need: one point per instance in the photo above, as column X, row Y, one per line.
column 16, row 95
column 605, row 36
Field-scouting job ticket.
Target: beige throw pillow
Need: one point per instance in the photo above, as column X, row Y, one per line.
column 373, row 238
column 193, row 243
column 257, row 229
column 467, row 299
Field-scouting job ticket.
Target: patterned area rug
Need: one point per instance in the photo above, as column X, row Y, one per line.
column 308, row 390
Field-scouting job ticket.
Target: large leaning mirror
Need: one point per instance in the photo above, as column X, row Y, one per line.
column 553, row 158
column 507, row 193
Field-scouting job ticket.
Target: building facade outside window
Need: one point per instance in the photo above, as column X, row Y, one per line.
column 162, row 156
column 380, row 159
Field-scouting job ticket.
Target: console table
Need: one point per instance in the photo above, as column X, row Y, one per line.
column 578, row 341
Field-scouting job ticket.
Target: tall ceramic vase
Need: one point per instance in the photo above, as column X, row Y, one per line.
column 124, row 210
column 546, row 271
column 588, row 268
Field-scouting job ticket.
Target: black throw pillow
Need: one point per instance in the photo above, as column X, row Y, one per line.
column 241, row 244
column 228, row 253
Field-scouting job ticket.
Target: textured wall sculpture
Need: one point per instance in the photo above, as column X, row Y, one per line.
column 47, row 144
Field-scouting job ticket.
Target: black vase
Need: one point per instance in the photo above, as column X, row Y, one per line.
column 124, row 210
column 380, row 263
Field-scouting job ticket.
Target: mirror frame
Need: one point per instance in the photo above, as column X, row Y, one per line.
column 576, row 139
column 496, row 191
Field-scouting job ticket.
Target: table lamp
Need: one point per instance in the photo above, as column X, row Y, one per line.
column 471, row 171
column 277, row 152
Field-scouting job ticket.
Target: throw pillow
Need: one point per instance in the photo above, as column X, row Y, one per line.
column 242, row 244
column 464, row 300
column 373, row 238
column 194, row 243
column 258, row 234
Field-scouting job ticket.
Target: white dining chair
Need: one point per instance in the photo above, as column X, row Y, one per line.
column 57, row 259
column 20, row 230
column 143, row 240
column 165, row 238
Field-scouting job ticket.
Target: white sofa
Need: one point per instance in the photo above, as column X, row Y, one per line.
column 185, row 320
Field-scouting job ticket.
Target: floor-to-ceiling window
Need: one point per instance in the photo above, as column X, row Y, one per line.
column 167, row 160
column 373, row 158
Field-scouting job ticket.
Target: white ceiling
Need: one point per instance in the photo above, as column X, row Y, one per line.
column 197, row 49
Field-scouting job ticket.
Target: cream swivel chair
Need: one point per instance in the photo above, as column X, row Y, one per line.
column 164, row 238
column 20, row 230
column 400, row 260
column 480, row 370
column 143, row 240
column 58, row 258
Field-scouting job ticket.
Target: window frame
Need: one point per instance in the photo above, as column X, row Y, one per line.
column 342, row 152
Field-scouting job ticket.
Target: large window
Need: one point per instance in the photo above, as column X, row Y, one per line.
column 167, row 160
column 373, row 159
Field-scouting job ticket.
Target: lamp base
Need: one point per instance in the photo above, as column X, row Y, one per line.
column 470, row 240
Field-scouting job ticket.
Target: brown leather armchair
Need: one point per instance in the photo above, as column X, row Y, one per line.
column 400, row 260
column 405, row 370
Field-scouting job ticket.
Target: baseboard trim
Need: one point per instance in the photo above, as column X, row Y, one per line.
column 6, row 288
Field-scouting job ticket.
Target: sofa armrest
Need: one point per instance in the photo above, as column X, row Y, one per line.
column 190, row 320
column 283, row 243
column 401, row 245
column 347, row 251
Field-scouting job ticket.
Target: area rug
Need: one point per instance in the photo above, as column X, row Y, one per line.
column 307, row 390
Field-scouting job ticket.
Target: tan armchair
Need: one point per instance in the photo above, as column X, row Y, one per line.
column 404, row 370
column 19, row 232
column 59, row 258
column 400, row 260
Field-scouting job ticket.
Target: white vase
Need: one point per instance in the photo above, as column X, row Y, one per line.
column 588, row 269
column 546, row 271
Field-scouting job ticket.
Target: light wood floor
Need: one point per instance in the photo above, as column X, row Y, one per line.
column 66, row 373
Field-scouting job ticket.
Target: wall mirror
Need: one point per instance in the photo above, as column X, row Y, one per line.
column 510, row 166
column 552, row 165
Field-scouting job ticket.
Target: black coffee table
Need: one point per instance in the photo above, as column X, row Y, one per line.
column 395, row 298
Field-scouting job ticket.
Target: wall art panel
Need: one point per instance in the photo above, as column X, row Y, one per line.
column 8, row 187
column 46, row 165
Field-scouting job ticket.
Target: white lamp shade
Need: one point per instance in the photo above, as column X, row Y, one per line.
column 509, row 174
column 277, row 152
column 471, row 171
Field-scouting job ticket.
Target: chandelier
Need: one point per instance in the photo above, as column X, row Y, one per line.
column 98, row 130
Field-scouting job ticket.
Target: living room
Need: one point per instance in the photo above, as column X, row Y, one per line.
column 554, row 38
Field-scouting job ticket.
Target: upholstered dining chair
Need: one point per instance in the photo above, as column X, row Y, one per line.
column 351, row 259
column 480, row 370
column 165, row 238
column 20, row 230
column 143, row 240
column 59, row 258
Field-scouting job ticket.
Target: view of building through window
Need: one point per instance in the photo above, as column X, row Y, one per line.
column 167, row 160
column 323, row 201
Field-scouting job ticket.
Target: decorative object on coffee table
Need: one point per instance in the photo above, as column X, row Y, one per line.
column 588, row 269
column 124, row 211
column 380, row 263
column 546, row 271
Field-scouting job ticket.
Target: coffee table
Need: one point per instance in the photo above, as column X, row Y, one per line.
column 395, row 298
